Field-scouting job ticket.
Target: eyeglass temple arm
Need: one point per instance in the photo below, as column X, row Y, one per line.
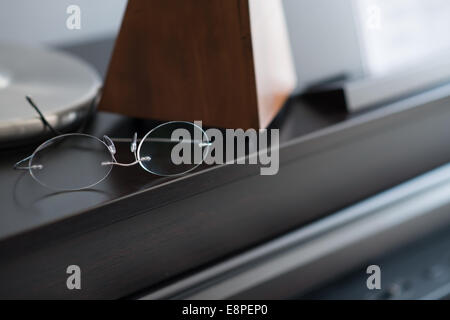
column 49, row 126
column 133, row 149
column 43, row 119
column 123, row 140
column 17, row 165
column 133, row 146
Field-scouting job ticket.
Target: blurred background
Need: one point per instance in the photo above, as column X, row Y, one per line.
column 329, row 38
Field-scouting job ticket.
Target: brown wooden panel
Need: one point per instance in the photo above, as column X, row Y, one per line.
column 193, row 60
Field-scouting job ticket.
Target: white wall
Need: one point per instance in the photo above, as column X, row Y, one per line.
column 422, row 26
column 44, row 21
column 322, row 32
column 323, row 38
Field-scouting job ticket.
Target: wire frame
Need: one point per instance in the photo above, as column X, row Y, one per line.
column 78, row 161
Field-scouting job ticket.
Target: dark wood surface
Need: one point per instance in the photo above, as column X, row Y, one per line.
column 136, row 231
column 26, row 205
column 43, row 232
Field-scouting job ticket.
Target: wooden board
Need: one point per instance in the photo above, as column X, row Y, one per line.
column 224, row 62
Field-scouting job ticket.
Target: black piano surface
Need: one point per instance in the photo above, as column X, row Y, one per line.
column 137, row 231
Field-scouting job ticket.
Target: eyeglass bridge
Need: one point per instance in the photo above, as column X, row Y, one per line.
column 115, row 163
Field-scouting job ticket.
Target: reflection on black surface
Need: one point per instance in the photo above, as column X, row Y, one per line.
column 296, row 119
column 27, row 193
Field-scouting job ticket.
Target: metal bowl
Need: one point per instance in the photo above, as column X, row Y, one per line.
column 63, row 87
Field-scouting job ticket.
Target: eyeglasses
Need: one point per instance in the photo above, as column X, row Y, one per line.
column 77, row 161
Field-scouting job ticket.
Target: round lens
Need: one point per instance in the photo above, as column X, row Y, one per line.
column 71, row 162
column 175, row 148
